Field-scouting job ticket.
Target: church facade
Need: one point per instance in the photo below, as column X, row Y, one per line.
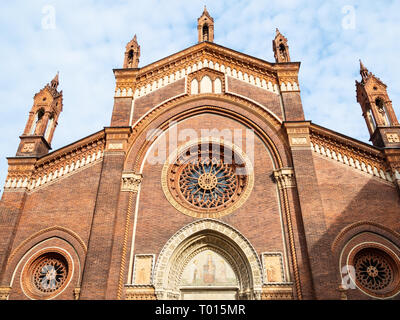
column 208, row 183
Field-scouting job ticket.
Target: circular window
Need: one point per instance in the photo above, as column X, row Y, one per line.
column 207, row 179
column 376, row 272
column 46, row 275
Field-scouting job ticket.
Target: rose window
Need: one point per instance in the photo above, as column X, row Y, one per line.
column 46, row 275
column 208, row 183
column 376, row 272
column 50, row 274
column 207, row 180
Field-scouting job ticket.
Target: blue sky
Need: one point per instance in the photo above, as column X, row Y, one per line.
column 86, row 40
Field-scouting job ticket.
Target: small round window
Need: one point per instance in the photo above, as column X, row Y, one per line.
column 46, row 275
column 376, row 272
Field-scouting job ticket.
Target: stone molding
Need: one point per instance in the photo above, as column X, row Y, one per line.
column 253, row 71
column 48, row 230
column 277, row 292
column 139, row 293
column 234, row 72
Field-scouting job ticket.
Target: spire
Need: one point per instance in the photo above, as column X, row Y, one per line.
column 55, row 82
column 377, row 110
column 363, row 71
column 205, row 27
column 205, row 12
column 132, row 54
column 42, row 121
column 280, row 48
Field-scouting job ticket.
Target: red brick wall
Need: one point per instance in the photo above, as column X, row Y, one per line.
column 292, row 106
column 68, row 203
column 122, row 111
column 149, row 101
column 258, row 219
column 266, row 98
column 349, row 196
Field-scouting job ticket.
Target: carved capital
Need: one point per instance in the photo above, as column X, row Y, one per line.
column 285, row 178
column 4, row 293
column 131, row 182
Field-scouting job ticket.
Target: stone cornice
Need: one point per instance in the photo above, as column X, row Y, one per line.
column 223, row 52
column 351, row 152
column 345, row 140
column 31, row 173
column 71, row 148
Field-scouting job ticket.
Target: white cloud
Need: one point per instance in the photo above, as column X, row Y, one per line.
column 90, row 37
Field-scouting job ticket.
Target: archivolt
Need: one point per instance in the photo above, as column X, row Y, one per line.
column 161, row 117
column 48, row 233
column 202, row 235
column 364, row 226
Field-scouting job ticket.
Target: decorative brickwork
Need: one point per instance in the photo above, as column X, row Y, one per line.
column 304, row 213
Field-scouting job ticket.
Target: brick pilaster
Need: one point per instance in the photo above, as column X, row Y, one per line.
column 11, row 207
column 98, row 260
column 312, row 212
column 12, row 204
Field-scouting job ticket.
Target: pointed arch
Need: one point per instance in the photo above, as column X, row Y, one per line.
column 265, row 125
column 213, row 235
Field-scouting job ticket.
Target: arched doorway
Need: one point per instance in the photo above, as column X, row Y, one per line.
column 208, row 259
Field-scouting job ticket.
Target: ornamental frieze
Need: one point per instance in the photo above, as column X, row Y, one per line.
column 59, row 164
column 360, row 157
column 155, row 76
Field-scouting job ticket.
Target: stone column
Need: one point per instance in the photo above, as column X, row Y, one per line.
column 286, row 180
